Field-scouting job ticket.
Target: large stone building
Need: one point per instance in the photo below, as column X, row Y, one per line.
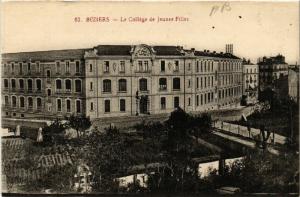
column 270, row 70
column 117, row 80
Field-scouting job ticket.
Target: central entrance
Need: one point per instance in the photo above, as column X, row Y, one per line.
column 144, row 104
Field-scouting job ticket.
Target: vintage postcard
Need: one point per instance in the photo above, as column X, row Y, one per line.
column 197, row 98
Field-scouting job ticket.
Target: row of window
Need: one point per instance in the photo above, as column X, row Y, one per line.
column 22, row 102
column 205, row 82
column 30, row 102
column 143, row 66
column 107, row 106
column 68, row 85
column 29, row 67
column 204, row 98
column 21, row 82
column 250, row 70
column 229, row 92
column 38, row 84
column 229, row 79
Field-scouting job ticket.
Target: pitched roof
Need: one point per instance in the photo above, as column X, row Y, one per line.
column 113, row 49
column 210, row 54
column 109, row 50
column 167, row 50
column 45, row 55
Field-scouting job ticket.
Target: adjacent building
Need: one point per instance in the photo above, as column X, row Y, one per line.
column 118, row 80
column 293, row 81
column 250, row 79
column 270, row 70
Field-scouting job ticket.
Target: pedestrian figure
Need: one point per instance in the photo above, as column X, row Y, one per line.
column 18, row 130
column 40, row 135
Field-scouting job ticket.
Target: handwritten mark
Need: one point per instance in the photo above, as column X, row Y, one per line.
column 216, row 8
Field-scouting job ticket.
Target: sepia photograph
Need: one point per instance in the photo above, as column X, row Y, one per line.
column 115, row 98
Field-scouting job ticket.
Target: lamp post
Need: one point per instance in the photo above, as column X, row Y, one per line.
column 137, row 102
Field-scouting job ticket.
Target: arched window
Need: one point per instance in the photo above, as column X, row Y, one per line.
column 176, row 84
column 6, row 101
column 77, row 85
column 68, row 105
column 58, row 84
column 38, row 85
column 29, row 85
column 14, row 101
column 58, row 105
column 30, row 102
column 39, row 103
column 13, row 83
column 106, row 85
column 22, row 102
column 162, row 84
column 68, row 84
column 122, row 85
column 143, row 84
column 21, row 83
column 6, row 83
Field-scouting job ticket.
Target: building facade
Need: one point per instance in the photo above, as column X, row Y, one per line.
column 270, row 70
column 117, row 80
column 250, row 79
column 293, row 81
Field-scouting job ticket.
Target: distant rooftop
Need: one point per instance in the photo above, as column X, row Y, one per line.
column 279, row 59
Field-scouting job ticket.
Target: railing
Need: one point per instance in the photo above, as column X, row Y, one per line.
column 144, row 91
column 247, row 132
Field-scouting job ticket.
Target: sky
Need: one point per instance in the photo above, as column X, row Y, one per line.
column 255, row 29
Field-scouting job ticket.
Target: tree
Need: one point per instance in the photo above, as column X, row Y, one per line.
column 109, row 157
column 178, row 172
column 80, row 123
column 266, row 172
column 54, row 133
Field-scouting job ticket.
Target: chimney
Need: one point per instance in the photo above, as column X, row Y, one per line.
column 229, row 48
column 192, row 49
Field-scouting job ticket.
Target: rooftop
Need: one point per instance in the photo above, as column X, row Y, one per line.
column 103, row 50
